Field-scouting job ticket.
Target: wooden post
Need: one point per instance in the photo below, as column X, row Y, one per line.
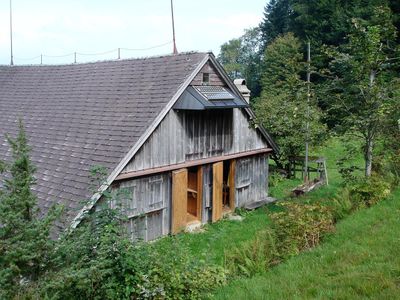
column 306, row 176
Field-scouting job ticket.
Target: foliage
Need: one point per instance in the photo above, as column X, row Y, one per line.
column 366, row 192
column 387, row 162
column 357, row 262
column 300, row 227
column 172, row 275
column 241, row 58
column 24, row 235
column 98, row 261
column 282, row 108
column 363, row 98
column 342, row 204
column 252, row 257
column 276, row 21
column 346, row 165
column 274, row 179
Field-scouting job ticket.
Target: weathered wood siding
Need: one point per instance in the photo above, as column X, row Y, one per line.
column 215, row 78
column 146, row 201
column 207, row 194
column 183, row 136
column 251, row 179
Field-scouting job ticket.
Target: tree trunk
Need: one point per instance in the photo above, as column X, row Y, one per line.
column 368, row 157
column 369, row 138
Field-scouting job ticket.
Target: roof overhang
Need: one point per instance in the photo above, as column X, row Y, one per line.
column 208, row 97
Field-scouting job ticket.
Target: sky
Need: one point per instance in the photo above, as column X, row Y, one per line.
column 62, row 27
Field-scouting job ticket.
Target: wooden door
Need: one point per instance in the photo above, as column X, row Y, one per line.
column 218, row 173
column 231, row 183
column 179, row 200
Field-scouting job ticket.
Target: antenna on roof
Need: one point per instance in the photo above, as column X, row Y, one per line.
column 11, row 39
column 175, row 50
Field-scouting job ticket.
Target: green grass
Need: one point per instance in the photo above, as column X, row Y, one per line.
column 216, row 238
column 360, row 261
column 222, row 236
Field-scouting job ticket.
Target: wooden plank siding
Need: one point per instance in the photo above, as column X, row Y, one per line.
column 187, row 136
column 214, row 78
column 146, row 203
column 251, row 179
column 157, row 205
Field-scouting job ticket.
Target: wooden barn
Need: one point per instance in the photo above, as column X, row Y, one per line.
column 174, row 132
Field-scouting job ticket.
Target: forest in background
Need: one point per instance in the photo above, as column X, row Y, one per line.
column 351, row 103
column 354, row 74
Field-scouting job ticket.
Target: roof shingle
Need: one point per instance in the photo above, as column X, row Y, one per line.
column 81, row 115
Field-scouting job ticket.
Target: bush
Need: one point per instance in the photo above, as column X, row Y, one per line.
column 300, row 227
column 365, row 192
column 342, row 204
column 98, row 261
column 387, row 166
column 170, row 274
column 252, row 257
column 295, row 227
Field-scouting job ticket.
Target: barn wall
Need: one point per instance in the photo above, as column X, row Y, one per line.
column 146, row 201
column 215, row 78
column 184, row 136
column 251, row 179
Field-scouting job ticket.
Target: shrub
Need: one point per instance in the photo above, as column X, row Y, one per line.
column 98, row 261
column 342, row 204
column 252, row 257
column 170, row 274
column 275, row 178
column 300, row 227
column 387, row 165
column 365, row 192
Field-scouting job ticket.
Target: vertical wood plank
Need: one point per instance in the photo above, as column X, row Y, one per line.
column 231, row 183
column 179, row 199
column 217, row 191
column 199, row 192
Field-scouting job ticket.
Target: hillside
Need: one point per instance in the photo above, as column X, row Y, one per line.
column 359, row 261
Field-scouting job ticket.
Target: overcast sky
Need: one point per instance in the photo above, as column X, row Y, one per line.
column 59, row 27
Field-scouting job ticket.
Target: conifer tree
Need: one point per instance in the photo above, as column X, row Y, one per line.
column 24, row 237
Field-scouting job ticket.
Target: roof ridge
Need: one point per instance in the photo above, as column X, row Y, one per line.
column 157, row 56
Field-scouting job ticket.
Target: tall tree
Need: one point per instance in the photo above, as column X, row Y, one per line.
column 24, row 238
column 241, row 58
column 282, row 107
column 363, row 84
column 276, row 21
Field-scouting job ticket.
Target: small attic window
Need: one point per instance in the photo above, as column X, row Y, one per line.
column 206, row 78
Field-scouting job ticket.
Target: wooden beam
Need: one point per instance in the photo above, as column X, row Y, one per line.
column 193, row 163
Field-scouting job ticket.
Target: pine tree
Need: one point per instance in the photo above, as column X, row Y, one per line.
column 24, row 237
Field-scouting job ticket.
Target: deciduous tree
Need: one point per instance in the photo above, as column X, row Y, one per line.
column 363, row 84
column 282, row 107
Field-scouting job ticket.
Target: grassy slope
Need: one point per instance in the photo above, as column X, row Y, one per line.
column 360, row 261
column 222, row 236
column 211, row 243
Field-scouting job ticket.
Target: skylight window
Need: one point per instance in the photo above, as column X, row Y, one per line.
column 215, row 93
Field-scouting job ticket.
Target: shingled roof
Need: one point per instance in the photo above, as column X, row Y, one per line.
column 81, row 115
